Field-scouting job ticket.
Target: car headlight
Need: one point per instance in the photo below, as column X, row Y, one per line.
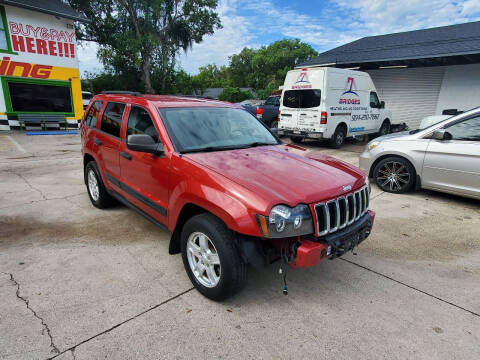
column 372, row 145
column 285, row 221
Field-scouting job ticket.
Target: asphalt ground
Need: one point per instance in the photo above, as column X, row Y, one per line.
column 78, row 282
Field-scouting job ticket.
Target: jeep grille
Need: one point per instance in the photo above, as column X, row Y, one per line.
column 336, row 214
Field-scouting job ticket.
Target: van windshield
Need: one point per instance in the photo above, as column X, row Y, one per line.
column 302, row 99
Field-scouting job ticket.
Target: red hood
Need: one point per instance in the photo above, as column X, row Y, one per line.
column 283, row 174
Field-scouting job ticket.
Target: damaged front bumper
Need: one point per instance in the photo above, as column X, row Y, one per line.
column 310, row 251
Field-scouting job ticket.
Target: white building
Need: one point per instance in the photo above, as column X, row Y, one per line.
column 417, row 73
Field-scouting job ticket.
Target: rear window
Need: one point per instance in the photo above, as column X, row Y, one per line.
column 303, row 99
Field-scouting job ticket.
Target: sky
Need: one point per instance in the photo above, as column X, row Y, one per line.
column 322, row 24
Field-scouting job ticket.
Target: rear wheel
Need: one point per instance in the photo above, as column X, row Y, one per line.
column 394, row 174
column 339, row 136
column 95, row 187
column 211, row 258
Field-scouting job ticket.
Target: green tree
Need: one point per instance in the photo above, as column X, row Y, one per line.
column 145, row 35
column 211, row 76
column 265, row 69
column 234, row 95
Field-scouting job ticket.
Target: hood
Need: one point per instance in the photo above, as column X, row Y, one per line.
column 283, row 173
column 392, row 136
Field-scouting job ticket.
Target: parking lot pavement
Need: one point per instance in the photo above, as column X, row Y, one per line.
column 83, row 283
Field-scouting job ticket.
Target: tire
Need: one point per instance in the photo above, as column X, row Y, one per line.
column 338, row 138
column 99, row 198
column 218, row 277
column 403, row 170
column 296, row 139
column 384, row 129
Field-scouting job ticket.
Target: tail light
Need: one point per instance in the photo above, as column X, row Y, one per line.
column 323, row 118
column 260, row 111
column 278, row 115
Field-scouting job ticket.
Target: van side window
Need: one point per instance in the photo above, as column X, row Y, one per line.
column 140, row 122
column 112, row 118
column 93, row 113
column 374, row 102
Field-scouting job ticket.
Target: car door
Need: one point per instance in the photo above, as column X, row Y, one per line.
column 453, row 164
column 108, row 141
column 144, row 176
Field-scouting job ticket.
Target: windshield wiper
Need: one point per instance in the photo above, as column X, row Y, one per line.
column 257, row 143
column 210, row 149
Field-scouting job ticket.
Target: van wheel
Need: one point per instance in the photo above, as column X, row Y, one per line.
column 296, row 139
column 210, row 257
column 338, row 138
column 384, row 129
column 95, row 187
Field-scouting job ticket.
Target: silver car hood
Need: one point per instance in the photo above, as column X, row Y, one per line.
column 394, row 136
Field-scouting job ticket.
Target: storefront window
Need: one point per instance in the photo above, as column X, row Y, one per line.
column 36, row 97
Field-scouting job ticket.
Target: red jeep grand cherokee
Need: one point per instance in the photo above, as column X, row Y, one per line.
column 225, row 187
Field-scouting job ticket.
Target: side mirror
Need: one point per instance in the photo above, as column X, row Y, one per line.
column 144, row 143
column 382, row 105
column 441, row 134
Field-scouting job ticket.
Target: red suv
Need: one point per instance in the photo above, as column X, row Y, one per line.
column 229, row 192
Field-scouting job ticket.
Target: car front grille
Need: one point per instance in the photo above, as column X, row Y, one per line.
column 336, row 214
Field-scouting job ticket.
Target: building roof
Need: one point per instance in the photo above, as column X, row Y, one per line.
column 52, row 7
column 433, row 46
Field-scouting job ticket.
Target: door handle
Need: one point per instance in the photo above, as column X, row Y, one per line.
column 97, row 142
column 126, row 155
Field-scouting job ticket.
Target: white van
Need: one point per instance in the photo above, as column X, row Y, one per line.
column 331, row 103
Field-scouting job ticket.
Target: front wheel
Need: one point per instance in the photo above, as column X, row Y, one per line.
column 384, row 129
column 211, row 258
column 394, row 174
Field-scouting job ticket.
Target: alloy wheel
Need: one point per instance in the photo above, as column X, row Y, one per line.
column 93, row 185
column 393, row 176
column 203, row 259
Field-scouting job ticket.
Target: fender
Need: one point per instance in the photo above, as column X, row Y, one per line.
column 227, row 208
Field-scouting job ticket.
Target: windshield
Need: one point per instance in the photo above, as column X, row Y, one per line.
column 432, row 123
column 212, row 129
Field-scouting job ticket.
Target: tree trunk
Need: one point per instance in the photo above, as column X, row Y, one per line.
column 146, row 66
column 164, row 67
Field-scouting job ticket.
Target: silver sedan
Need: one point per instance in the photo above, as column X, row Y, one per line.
column 443, row 157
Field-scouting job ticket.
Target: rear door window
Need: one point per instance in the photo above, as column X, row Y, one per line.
column 93, row 114
column 302, row 99
column 112, row 118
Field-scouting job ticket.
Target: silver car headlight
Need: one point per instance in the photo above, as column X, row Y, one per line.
column 284, row 221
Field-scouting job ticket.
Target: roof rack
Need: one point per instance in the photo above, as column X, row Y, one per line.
column 118, row 92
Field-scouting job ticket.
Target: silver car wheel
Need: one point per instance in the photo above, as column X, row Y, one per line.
column 203, row 259
column 394, row 176
column 93, row 185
